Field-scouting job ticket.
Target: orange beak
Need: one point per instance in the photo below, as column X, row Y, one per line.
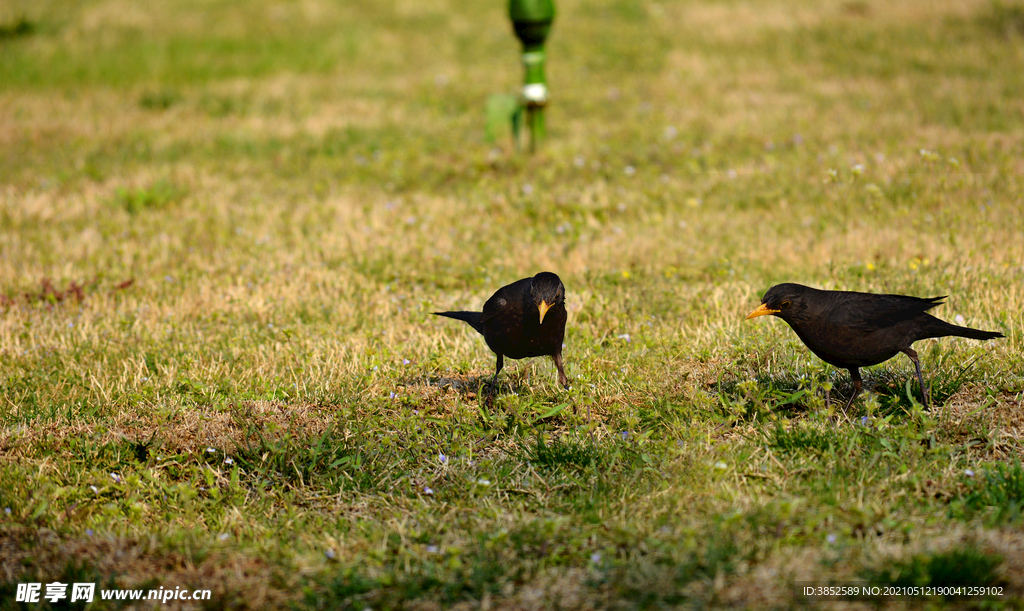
column 761, row 311
column 543, row 307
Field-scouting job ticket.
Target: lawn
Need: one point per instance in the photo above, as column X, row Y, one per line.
column 224, row 227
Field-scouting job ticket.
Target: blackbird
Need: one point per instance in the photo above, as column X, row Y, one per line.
column 853, row 330
column 523, row 319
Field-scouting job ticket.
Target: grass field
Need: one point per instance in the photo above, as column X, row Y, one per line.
column 224, row 227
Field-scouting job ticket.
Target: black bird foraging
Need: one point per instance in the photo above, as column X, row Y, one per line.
column 521, row 320
column 852, row 330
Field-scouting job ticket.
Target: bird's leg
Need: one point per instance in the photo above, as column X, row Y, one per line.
column 917, row 365
column 557, row 358
column 497, row 370
column 855, row 374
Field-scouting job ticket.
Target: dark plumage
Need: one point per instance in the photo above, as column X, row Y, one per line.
column 853, row 330
column 524, row 319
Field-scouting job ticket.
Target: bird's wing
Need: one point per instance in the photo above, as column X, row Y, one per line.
column 869, row 312
column 506, row 298
column 494, row 307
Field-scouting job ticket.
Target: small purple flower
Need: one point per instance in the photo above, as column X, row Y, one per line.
column 595, row 557
column 224, row 536
column 432, row 549
column 864, row 420
column 329, row 553
column 969, row 473
column 428, row 490
column 115, row 477
column 624, row 336
column 392, row 395
column 405, row 361
column 442, row 458
column 88, row 532
column 94, row 489
column 831, row 538
column 624, row 434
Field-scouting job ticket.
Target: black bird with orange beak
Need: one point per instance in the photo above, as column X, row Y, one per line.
column 523, row 319
column 853, row 330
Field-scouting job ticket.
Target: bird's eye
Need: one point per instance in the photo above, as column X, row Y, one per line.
column 784, row 305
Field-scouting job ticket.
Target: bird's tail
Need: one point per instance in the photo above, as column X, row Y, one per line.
column 946, row 329
column 473, row 318
column 974, row 333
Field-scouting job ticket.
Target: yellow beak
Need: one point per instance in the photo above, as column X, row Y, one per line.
column 761, row 311
column 543, row 307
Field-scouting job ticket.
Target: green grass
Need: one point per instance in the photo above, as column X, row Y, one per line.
column 224, row 228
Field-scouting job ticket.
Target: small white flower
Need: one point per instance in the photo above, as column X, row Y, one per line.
column 94, row 489
column 224, row 536
column 484, row 482
column 210, row 450
column 831, row 538
column 228, row 461
column 969, row 473
column 432, row 549
column 721, row 465
column 428, row 490
column 595, row 557
column 329, row 553
column 115, row 477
